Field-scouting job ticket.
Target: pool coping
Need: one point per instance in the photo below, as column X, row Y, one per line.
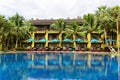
column 64, row 52
column 31, row 52
column 55, row 51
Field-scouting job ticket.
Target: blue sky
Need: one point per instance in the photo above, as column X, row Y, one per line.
column 47, row 9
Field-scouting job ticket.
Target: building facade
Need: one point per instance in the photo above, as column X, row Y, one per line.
column 47, row 37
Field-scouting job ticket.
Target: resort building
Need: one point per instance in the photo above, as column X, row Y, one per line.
column 47, row 37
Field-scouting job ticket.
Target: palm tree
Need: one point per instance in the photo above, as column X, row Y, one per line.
column 28, row 30
column 17, row 22
column 116, row 12
column 103, row 19
column 21, row 28
column 59, row 25
column 5, row 33
column 91, row 25
column 112, row 24
column 2, row 20
column 74, row 29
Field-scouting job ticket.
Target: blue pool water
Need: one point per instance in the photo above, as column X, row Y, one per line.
column 50, row 66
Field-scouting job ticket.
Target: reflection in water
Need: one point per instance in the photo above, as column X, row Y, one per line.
column 58, row 66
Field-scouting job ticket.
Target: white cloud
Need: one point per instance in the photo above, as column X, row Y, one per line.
column 52, row 8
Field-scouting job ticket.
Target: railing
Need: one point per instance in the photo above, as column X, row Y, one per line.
column 112, row 49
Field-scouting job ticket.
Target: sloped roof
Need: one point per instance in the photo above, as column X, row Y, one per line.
column 50, row 21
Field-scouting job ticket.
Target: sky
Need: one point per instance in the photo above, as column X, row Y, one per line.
column 52, row 9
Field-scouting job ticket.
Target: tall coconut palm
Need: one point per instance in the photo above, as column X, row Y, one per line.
column 6, row 37
column 59, row 25
column 116, row 15
column 17, row 22
column 111, row 30
column 91, row 25
column 75, row 29
column 2, row 20
column 103, row 18
column 21, row 28
column 5, row 31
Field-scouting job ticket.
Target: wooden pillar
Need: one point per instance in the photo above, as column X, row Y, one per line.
column 33, row 43
column 46, row 37
column 103, row 44
column 74, row 43
column 89, row 38
column 60, row 38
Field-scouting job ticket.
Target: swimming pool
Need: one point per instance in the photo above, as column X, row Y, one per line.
column 60, row 66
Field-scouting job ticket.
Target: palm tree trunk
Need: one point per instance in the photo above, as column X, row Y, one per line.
column 117, row 33
column 20, row 44
column 0, row 42
column 16, row 43
column 3, row 43
column 12, row 42
column 8, row 43
column 105, row 36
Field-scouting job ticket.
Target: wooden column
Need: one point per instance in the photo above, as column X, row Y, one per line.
column 33, row 43
column 46, row 37
column 89, row 38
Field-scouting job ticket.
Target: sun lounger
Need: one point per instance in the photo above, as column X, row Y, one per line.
column 69, row 49
column 58, row 49
column 46, row 49
column 99, row 49
column 40, row 49
column 64, row 49
column 52, row 49
column 77, row 49
column 82, row 49
column 92, row 49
